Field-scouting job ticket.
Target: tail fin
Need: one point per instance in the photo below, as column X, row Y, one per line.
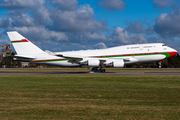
column 22, row 45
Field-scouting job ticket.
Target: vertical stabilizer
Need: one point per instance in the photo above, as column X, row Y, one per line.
column 22, row 45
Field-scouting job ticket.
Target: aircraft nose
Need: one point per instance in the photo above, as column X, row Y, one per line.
column 173, row 53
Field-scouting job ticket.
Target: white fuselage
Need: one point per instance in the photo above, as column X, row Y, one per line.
column 137, row 53
column 115, row 57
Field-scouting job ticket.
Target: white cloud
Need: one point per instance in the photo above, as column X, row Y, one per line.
column 42, row 16
column 21, row 4
column 100, row 45
column 70, row 27
column 81, row 19
column 121, row 36
column 168, row 24
column 136, row 27
column 41, row 34
column 94, row 36
column 19, row 19
column 41, row 21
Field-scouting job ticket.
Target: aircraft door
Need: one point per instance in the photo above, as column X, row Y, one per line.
column 44, row 60
column 141, row 47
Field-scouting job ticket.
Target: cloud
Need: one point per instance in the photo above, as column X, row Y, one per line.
column 68, row 5
column 40, row 20
column 62, row 25
column 3, row 23
column 20, row 4
column 41, row 16
column 168, row 24
column 73, row 46
column 156, row 39
column 56, row 22
column 43, row 37
column 121, row 36
column 165, row 4
column 161, row 3
column 19, row 19
column 140, row 27
column 26, row 11
column 136, row 27
column 40, row 33
column 112, row 5
column 87, row 36
column 81, row 19
column 100, row 45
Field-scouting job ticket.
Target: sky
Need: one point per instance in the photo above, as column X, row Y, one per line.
column 65, row 25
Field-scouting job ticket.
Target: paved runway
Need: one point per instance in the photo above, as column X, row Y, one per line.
column 122, row 73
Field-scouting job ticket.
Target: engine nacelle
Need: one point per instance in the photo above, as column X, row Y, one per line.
column 93, row 63
column 118, row 64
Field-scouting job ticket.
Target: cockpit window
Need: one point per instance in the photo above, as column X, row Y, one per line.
column 163, row 45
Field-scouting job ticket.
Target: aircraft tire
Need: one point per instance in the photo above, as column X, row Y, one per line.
column 102, row 70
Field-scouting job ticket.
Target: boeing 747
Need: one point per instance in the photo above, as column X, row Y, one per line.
column 99, row 59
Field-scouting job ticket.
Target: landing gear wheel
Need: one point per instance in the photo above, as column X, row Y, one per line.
column 102, row 70
column 96, row 70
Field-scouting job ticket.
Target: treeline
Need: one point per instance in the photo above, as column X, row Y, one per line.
column 173, row 62
column 9, row 62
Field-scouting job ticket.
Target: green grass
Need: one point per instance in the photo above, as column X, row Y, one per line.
column 89, row 96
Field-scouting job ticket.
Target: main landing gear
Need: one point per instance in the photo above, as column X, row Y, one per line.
column 97, row 70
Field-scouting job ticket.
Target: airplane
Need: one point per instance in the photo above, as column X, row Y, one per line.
column 98, row 59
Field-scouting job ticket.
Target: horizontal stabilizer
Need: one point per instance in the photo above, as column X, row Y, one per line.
column 23, row 56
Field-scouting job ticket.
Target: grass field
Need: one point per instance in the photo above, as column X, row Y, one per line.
column 89, row 96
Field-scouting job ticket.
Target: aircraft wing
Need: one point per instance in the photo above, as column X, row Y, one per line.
column 101, row 59
column 65, row 56
column 84, row 59
column 71, row 56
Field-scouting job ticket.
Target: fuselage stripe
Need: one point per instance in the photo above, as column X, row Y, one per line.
column 167, row 54
column 18, row 41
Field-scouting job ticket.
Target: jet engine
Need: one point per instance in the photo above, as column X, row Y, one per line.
column 117, row 63
column 93, row 63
